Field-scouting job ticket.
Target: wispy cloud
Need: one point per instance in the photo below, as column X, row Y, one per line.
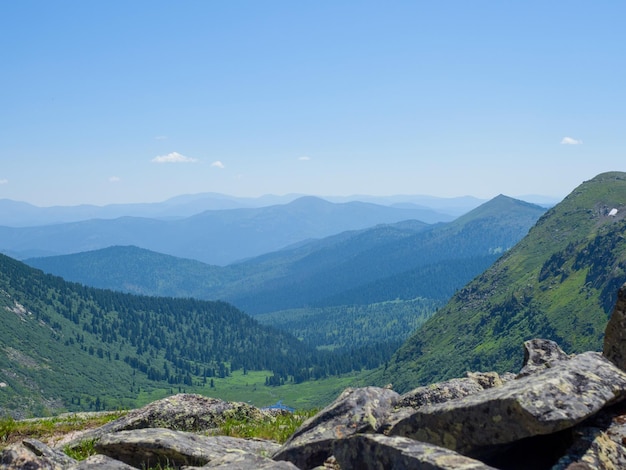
column 571, row 141
column 304, row 158
column 217, row 164
column 173, row 157
column 4, row 181
column 160, row 137
column 114, row 179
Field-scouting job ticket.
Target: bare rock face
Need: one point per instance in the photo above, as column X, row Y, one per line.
column 33, row 455
column 615, row 334
column 486, row 379
column 449, row 390
column 540, row 354
column 101, row 462
column 360, row 410
column 545, row 402
column 158, row 446
column 241, row 460
column 599, row 443
column 376, row 451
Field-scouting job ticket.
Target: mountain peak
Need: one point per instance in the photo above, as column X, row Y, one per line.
column 309, row 201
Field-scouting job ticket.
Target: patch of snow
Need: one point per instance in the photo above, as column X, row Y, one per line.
column 613, row 212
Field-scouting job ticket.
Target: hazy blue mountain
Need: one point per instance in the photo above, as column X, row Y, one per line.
column 216, row 237
column 323, row 277
column 21, row 214
column 454, row 206
column 394, row 261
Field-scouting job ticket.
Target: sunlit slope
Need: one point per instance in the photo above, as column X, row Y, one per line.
column 559, row 283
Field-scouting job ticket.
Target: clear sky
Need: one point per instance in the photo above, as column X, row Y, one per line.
column 138, row 101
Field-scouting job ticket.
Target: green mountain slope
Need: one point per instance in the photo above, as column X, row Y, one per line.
column 558, row 283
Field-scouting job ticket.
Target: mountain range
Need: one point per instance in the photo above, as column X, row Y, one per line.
column 392, row 276
column 215, row 236
column 22, row 214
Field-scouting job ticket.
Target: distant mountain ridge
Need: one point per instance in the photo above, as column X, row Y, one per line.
column 22, row 214
column 313, row 273
column 558, row 283
column 216, row 237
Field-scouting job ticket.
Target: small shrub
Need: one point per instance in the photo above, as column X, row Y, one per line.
column 276, row 428
column 83, row 450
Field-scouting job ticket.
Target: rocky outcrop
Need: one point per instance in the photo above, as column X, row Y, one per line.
column 540, row 354
column 598, row 443
column 445, row 391
column 34, row 455
column 360, row 410
column 101, row 462
column 376, row 451
column 182, row 412
column 559, row 412
column 159, row 446
column 547, row 402
column 615, row 335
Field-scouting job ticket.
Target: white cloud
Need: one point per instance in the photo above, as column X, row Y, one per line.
column 115, row 179
column 160, row 137
column 4, row 181
column 571, row 141
column 173, row 157
column 217, row 164
column 304, row 158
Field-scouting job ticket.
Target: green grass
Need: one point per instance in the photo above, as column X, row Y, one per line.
column 83, row 450
column 12, row 430
column 250, row 388
column 276, row 428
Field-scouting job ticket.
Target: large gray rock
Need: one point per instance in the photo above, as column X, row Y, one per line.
column 379, row 452
column 241, row 460
column 540, row 354
column 439, row 393
column 101, row 462
column 450, row 389
column 486, row 379
column 615, row 334
column 599, row 443
column 545, row 402
column 148, row 447
column 182, row 412
column 32, row 454
column 360, row 410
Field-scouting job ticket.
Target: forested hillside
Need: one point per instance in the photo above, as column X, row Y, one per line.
column 558, row 283
column 64, row 346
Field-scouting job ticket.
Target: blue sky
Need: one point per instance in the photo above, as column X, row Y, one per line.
column 138, row 101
